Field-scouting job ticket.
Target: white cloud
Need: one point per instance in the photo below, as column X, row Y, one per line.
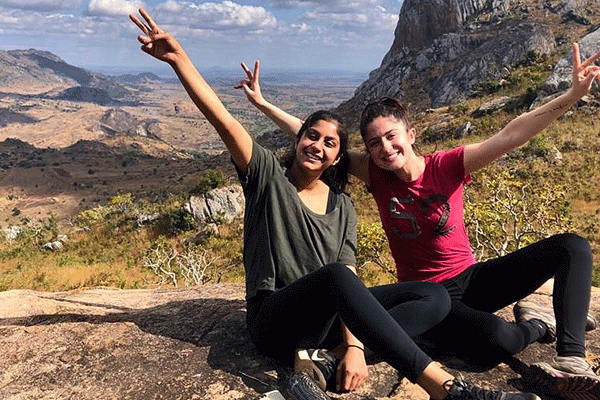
column 113, row 8
column 31, row 23
column 367, row 15
column 216, row 16
column 42, row 5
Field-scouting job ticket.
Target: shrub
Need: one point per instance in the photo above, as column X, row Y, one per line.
column 170, row 265
column 211, row 179
column 87, row 218
column 176, row 221
column 372, row 246
column 510, row 213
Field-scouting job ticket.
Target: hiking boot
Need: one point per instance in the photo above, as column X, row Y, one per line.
column 569, row 366
column 570, row 377
column 302, row 387
column 461, row 390
column 318, row 364
column 527, row 311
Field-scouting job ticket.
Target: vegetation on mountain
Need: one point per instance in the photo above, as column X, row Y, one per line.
column 148, row 238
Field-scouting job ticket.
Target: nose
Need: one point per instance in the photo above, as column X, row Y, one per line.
column 386, row 145
column 318, row 145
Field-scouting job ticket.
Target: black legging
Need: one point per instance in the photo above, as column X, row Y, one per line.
column 303, row 314
column 472, row 332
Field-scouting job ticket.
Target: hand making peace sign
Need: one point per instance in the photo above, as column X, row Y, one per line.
column 584, row 73
column 155, row 41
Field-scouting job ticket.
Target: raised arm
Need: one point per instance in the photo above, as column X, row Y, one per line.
column 527, row 125
column 164, row 47
column 251, row 85
column 290, row 124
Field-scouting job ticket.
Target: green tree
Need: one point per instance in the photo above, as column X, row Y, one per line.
column 504, row 214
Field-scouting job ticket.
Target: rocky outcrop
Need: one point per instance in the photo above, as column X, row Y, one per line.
column 421, row 22
column 116, row 121
column 560, row 79
column 217, row 205
column 170, row 344
column 444, row 50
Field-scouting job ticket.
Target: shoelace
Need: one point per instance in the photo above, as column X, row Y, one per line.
column 464, row 389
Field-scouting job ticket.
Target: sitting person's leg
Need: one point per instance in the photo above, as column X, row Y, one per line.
column 301, row 314
column 494, row 284
column 568, row 258
column 416, row 306
column 317, row 297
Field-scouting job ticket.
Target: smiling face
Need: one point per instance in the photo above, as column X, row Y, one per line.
column 389, row 143
column 318, row 147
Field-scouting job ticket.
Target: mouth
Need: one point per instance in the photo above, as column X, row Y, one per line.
column 313, row 157
column 390, row 157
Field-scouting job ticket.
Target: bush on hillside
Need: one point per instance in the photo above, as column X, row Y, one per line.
column 504, row 214
column 211, row 179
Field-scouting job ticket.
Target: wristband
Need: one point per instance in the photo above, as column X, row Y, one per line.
column 354, row 345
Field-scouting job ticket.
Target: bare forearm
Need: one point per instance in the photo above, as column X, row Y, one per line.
column 530, row 124
column 204, row 97
column 286, row 122
column 234, row 136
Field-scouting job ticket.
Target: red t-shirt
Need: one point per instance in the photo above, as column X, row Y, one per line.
column 423, row 219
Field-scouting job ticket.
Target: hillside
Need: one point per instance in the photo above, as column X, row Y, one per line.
column 445, row 50
column 156, row 148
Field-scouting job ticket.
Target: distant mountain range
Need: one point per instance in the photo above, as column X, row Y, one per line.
column 37, row 72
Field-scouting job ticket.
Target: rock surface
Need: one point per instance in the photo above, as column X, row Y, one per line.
column 217, row 205
column 445, row 50
column 167, row 344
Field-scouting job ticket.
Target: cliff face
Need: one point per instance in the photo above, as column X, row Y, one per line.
column 444, row 49
column 421, row 22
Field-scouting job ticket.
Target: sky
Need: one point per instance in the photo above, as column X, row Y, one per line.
column 341, row 35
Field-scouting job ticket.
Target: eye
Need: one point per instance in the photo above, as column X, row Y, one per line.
column 373, row 143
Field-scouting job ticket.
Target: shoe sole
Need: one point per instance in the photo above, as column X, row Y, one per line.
column 302, row 387
column 304, row 363
column 565, row 385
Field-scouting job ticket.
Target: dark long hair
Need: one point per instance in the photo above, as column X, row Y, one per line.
column 384, row 107
column 336, row 176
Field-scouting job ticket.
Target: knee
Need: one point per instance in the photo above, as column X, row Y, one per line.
column 577, row 247
column 438, row 297
column 338, row 271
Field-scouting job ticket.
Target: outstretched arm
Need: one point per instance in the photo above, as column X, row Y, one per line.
column 527, row 125
column 288, row 123
column 251, row 85
column 164, row 47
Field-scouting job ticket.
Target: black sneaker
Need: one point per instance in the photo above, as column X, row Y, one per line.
column 318, row 364
column 461, row 390
column 302, row 387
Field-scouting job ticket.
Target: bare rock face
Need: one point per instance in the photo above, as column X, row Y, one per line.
column 221, row 204
column 424, row 21
column 116, row 121
column 445, row 49
column 170, row 344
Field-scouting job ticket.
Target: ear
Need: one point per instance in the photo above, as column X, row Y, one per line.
column 337, row 160
column 412, row 135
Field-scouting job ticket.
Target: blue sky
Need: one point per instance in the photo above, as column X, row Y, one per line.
column 350, row 35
